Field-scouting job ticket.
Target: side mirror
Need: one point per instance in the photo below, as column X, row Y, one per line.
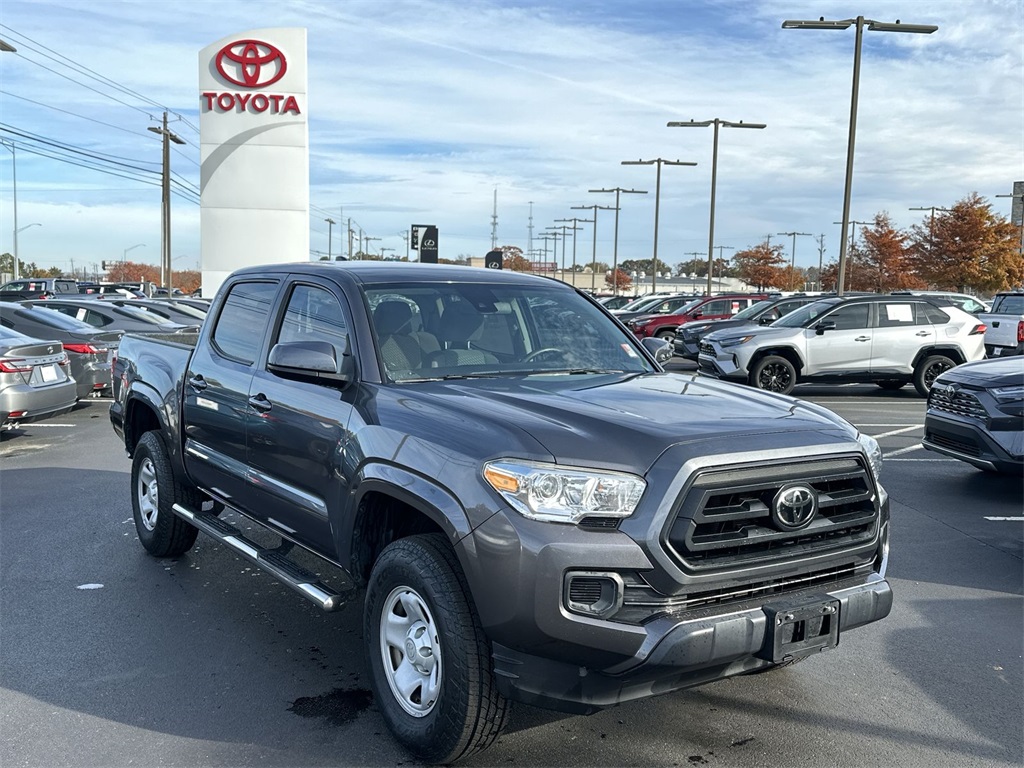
column 312, row 360
column 662, row 350
column 698, row 315
column 824, row 325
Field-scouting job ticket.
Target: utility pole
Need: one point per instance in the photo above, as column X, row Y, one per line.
column 821, row 255
column 657, row 202
column 366, row 243
column 351, row 232
column 165, row 247
column 840, row 281
column 330, row 230
column 792, row 261
column 1016, row 196
column 931, row 225
column 615, row 248
column 555, row 237
column 529, row 235
column 565, row 228
column 593, row 258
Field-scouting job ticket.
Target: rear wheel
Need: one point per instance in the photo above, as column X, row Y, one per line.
column 154, row 492
column 928, row 370
column 430, row 663
column 775, row 374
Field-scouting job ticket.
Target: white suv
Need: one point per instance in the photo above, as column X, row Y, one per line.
column 887, row 340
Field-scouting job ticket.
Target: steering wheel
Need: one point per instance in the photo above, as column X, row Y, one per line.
column 555, row 355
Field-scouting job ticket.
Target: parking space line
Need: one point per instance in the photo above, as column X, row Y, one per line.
column 1006, row 519
column 46, row 424
column 898, row 431
column 901, row 451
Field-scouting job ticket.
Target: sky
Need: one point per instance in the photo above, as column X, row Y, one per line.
column 422, row 111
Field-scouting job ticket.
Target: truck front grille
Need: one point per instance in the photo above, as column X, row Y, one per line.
column 957, row 402
column 725, row 519
column 706, row 348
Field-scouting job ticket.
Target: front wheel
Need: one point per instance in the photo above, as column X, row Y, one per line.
column 430, row 663
column 154, row 492
column 669, row 336
column 928, row 370
column 775, row 374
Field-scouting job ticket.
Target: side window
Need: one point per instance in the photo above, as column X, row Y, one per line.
column 896, row 314
column 929, row 314
column 850, row 317
column 314, row 314
column 242, row 319
column 719, row 307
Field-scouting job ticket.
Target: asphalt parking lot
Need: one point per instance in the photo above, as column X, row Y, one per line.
column 113, row 658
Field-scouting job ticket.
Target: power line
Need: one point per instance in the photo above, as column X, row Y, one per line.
column 74, row 114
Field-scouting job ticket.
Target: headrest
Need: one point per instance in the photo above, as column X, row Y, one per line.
column 459, row 322
column 392, row 317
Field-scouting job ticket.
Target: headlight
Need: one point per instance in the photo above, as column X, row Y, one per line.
column 563, row 495
column 874, row 452
column 1009, row 394
column 735, row 341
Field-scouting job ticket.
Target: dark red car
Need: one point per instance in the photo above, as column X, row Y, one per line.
column 719, row 307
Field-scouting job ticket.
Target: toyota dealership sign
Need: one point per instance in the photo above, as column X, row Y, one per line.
column 254, row 140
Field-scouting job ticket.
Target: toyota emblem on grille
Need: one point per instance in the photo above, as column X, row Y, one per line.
column 794, row 506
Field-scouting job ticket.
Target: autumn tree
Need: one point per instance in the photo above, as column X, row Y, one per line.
column 760, row 265
column 512, row 258
column 968, row 247
column 790, row 279
column 885, row 259
column 133, row 272
column 618, row 280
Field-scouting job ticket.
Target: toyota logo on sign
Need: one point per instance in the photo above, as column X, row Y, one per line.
column 794, row 506
column 251, row 63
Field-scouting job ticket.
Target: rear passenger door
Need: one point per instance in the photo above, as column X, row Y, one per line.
column 217, row 390
column 296, row 428
column 901, row 329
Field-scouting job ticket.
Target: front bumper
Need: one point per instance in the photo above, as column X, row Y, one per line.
column 677, row 654
column 722, row 365
column 973, row 442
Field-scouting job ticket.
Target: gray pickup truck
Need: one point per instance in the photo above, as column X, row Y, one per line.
column 530, row 508
column 1004, row 334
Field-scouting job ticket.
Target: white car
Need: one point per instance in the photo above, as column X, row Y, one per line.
column 887, row 340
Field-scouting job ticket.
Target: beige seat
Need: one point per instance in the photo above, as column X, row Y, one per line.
column 398, row 347
column 460, row 326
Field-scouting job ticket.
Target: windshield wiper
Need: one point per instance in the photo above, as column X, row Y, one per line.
column 574, row 371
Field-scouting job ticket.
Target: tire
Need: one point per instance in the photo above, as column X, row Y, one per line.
column 775, row 374
column 928, row 369
column 154, row 492
column 669, row 336
column 891, row 386
column 445, row 707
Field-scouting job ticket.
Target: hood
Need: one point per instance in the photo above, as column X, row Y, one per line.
column 987, row 374
column 754, row 330
column 715, row 325
column 621, row 422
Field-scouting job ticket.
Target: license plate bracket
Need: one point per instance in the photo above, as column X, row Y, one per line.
column 800, row 628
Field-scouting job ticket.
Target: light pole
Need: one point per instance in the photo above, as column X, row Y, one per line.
column 574, row 229
column 873, row 26
column 658, row 162
column 365, row 239
column 795, row 235
column 124, row 254
column 330, row 231
column 720, row 258
column 714, row 171
column 931, row 225
column 615, row 249
column 165, row 247
column 554, row 236
column 1016, row 196
column 853, row 238
column 593, row 258
column 565, row 228
column 14, row 187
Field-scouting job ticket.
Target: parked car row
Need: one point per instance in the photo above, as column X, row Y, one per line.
column 56, row 351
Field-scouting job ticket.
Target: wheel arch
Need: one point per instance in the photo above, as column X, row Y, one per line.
column 789, row 353
column 390, row 503
column 142, row 415
column 952, row 352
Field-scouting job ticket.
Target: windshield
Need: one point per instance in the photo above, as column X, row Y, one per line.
column 642, row 303
column 753, row 310
column 807, row 314
column 145, row 316
column 458, row 330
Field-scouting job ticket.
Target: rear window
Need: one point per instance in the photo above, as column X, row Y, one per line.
column 53, row 318
column 1009, row 304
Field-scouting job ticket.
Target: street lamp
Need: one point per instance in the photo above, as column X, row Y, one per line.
column 124, row 254
column 931, row 225
column 574, row 229
column 793, row 252
column 14, row 187
column 657, row 201
column 714, row 171
column 593, row 258
column 874, row 26
column 615, row 249
column 330, row 230
column 853, row 240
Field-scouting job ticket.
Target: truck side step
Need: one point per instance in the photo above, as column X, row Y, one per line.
column 272, row 561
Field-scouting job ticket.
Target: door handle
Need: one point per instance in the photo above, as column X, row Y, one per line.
column 260, row 403
column 923, row 333
column 863, row 338
column 197, row 382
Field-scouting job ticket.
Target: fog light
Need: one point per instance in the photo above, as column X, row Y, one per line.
column 593, row 593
